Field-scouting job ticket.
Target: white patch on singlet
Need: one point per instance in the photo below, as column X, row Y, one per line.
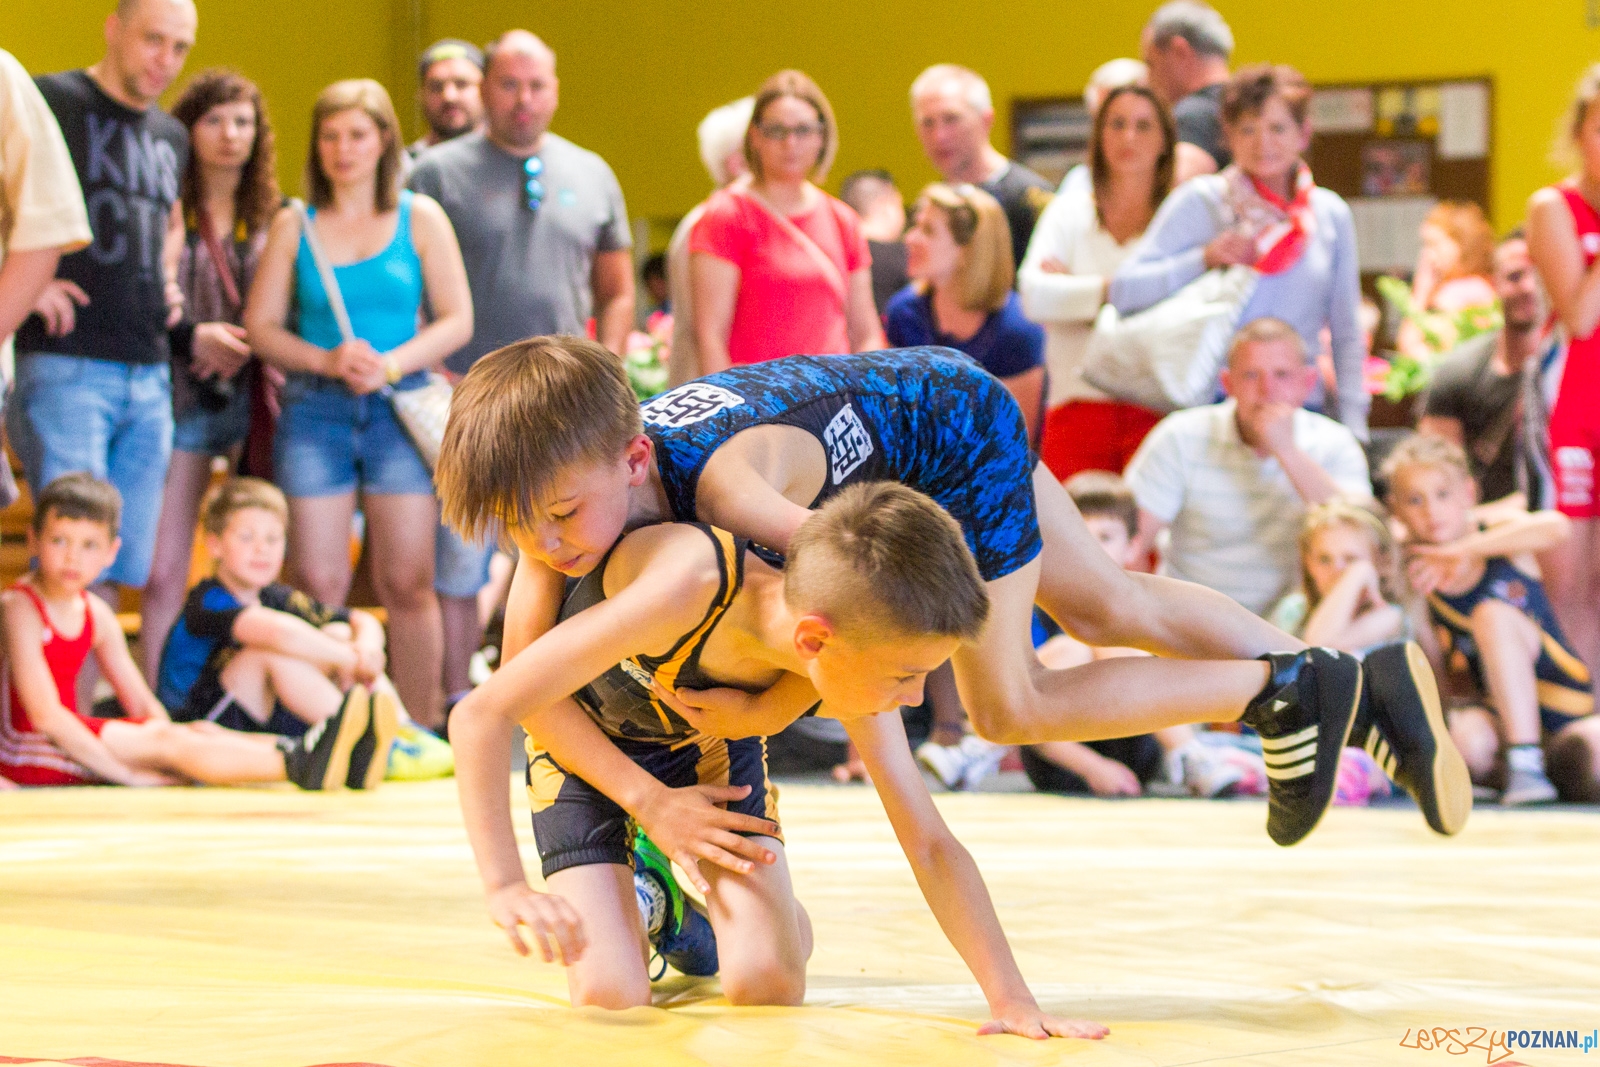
column 848, row 443
column 689, row 404
column 636, row 672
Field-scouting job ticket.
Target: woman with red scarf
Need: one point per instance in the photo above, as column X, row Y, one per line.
column 1264, row 211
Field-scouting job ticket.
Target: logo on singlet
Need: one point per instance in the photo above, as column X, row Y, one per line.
column 847, row 442
column 636, row 672
column 689, row 404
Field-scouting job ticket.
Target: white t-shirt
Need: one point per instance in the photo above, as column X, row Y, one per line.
column 1235, row 516
column 1065, row 305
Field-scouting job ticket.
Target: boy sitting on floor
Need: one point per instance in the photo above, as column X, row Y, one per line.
column 45, row 741
column 1478, row 578
column 251, row 654
column 878, row 589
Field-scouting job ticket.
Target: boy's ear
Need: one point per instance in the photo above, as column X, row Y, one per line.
column 637, row 455
column 116, row 545
column 811, row 634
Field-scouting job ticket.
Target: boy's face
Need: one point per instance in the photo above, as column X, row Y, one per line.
column 1434, row 503
column 249, row 551
column 1112, row 533
column 859, row 677
column 72, row 553
column 584, row 511
column 1331, row 551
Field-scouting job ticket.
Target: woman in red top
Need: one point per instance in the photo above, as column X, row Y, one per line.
column 1564, row 241
column 778, row 267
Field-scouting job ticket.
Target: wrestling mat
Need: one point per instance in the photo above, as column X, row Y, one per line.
column 272, row 928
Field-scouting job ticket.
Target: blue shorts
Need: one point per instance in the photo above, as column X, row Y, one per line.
column 460, row 568
column 576, row 825
column 330, row 442
column 214, row 433
column 111, row 419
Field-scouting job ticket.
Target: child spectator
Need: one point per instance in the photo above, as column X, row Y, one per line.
column 251, row 654
column 1474, row 570
column 1125, row 766
column 45, row 741
column 1348, row 600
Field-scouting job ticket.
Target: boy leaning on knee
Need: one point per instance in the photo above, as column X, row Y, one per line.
column 252, row 654
column 1474, row 568
column 53, row 624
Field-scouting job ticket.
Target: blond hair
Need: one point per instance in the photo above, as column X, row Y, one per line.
column 1584, row 95
column 523, row 414
column 978, row 224
column 1364, row 520
column 1425, row 450
column 366, row 95
column 795, row 84
column 1266, row 331
column 881, row 559
column 225, row 501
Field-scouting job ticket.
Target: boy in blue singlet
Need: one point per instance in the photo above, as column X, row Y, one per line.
column 556, row 446
column 878, row 590
column 1491, row 611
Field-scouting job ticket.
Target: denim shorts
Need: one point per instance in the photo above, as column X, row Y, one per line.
column 330, row 442
column 214, row 433
column 460, row 567
column 111, row 419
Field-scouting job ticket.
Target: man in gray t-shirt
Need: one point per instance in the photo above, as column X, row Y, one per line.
column 545, row 237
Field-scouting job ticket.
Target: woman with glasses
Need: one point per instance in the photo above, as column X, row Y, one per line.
column 392, row 253
column 958, row 253
column 779, row 267
column 1081, row 239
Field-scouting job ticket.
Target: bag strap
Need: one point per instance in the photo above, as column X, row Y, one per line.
column 330, row 284
column 830, row 270
column 230, row 284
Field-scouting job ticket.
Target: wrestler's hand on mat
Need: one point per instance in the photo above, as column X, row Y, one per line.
column 1109, row 778
column 1026, row 1020
column 554, row 926
column 688, row 826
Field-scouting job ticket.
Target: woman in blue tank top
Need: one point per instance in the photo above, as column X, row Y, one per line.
column 394, row 253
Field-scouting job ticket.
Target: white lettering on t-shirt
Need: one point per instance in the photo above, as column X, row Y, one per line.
column 847, row 442
column 140, row 176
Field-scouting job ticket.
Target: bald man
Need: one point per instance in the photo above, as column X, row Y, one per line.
column 92, row 390
column 545, row 236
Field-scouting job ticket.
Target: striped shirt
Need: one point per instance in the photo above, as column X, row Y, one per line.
column 1235, row 516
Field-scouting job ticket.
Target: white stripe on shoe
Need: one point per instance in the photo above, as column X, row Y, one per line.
column 1293, row 756
column 1299, row 737
column 1299, row 770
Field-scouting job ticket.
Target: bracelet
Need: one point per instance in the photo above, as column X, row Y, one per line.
column 391, row 370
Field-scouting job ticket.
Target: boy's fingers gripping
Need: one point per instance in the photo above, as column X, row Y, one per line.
column 1080, row 1028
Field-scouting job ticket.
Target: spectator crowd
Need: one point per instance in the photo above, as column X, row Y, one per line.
column 175, row 314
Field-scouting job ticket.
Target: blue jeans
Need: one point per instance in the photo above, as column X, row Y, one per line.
column 330, row 442
column 111, row 419
column 460, row 567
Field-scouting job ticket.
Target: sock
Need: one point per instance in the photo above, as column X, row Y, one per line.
column 1525, row 759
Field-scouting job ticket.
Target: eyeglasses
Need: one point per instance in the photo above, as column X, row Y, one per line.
column 533, row 166
column 777, row 131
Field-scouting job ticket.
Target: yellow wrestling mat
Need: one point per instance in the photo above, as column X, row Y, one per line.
column 271, row 928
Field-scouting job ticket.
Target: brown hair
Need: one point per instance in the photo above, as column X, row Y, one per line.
column 235, row 495
column 1104, row 493
column 362, row 94
column 1166, row 163
column 1365, row 520
column 1248, row 91
column 79, row 495
column 883, row 559
column 1266, row 331
column 796, row 84
column 521, row 415
column 1464, row 223
column 258, row 195
column 978, row 224
column 1425, row 450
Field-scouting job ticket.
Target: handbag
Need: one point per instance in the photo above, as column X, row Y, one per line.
column 422, row 411
column 1170, row 355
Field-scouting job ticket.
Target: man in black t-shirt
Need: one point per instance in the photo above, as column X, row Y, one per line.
column 1475, row 397
column 1187, row 45
column 954, row 113
column 93, row 386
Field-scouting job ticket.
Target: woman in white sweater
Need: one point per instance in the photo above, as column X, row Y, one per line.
column 1080, row 240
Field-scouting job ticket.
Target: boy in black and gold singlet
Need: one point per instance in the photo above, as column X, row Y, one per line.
column 878, row 589
column 1492, row 613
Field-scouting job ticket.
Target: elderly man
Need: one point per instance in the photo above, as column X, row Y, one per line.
column 93, row 392
column 449, row 75
column 544, row 233
column 1233, row 480
column 954, row 114
column 1187, row 46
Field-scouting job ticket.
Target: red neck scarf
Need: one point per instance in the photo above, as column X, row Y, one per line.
column 1281, row 228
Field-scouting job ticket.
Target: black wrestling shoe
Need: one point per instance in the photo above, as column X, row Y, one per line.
column 1401, row 725
column 320, row 761
column 369, row 759
column 1304, row 717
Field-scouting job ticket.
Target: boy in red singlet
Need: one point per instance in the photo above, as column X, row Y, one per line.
column 52, row 624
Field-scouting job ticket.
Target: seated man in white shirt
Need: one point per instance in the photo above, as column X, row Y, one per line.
column 1233, row 480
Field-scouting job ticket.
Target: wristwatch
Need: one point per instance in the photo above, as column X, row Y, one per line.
column 391, row 370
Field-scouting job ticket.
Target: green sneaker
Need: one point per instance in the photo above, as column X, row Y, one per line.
column 678, row 930
column 418, row 755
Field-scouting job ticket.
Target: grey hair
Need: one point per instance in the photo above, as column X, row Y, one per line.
column 1199, row 24
column 1112, row 74
column 721, row 134
column 974, row 90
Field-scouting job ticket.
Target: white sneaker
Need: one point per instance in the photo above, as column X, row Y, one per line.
column 944, row 762
column 1527, row 787
column 982, row 759
column 1209, row 772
